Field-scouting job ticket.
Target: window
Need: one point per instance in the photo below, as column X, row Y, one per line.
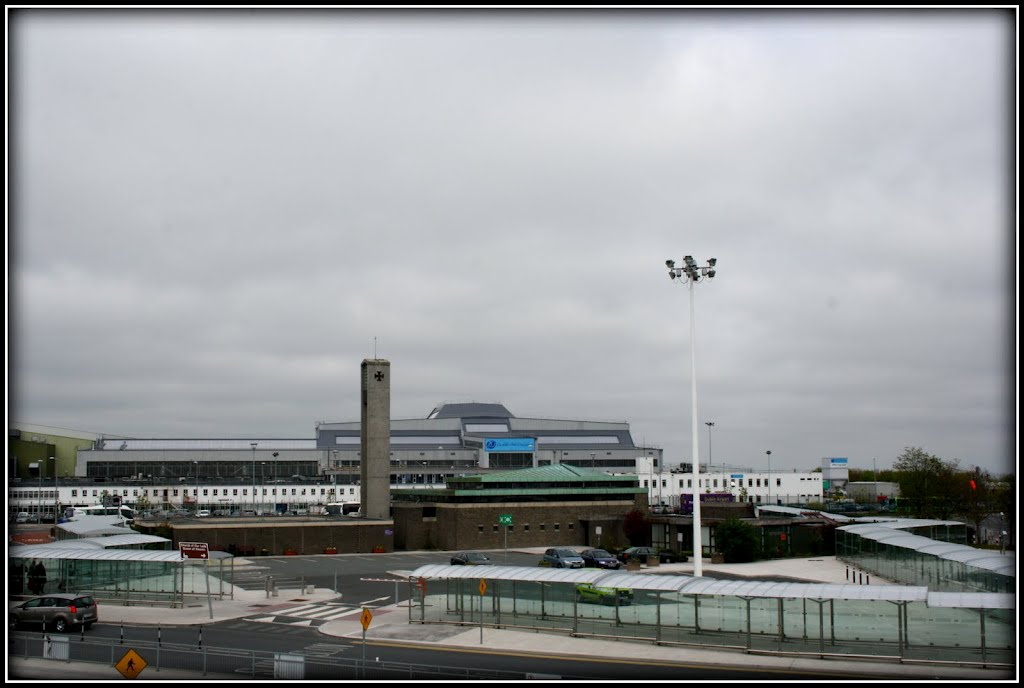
column 175, row 492
column 556, row 526
column 542, row 526
column 526, row 528
column 74, row 493
column 214, row 492
column 750, row 482
column 206, row 492
column 495, row 529
column 235, row 491
column 716, row 482
column 570, row 526
column 480, row 529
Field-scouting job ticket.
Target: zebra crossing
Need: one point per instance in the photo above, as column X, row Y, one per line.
column 311, row 615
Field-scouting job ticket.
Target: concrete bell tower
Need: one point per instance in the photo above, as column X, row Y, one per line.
column 375, row 439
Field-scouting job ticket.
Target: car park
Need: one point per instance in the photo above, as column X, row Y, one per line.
column 599, row 559
column 471, row 559
column 562, row 558
column 642, row 553
column 596, row 594
column 56, row 611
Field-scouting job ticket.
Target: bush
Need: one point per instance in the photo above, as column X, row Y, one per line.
column 737, row 541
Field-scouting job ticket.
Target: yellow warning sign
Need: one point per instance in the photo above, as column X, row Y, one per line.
column 366, row 618
column 131, row 665
column 483, row 587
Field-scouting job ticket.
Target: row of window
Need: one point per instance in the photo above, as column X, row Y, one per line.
column 714, row 482
column 526, row 528
column 35, row 494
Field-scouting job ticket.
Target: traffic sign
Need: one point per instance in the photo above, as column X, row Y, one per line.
column 422, row 584
column 131, row 665
column 505, row 519
column 366, row 618
column 483, row 587
column 194, row 550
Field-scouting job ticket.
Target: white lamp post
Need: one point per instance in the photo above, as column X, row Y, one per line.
column 769, row 453
column 691, row 274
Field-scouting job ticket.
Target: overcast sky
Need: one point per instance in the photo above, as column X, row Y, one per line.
column 215, row 217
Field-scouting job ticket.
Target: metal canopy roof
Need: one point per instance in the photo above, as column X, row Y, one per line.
column 684, row 585
column 109, row 541
column 96, row 554
column 973, row 600
column 888, row 534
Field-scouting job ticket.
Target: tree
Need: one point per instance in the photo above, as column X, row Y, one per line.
column 928, row 485
column 736, row 540
column 977, row 502
column 636, row 527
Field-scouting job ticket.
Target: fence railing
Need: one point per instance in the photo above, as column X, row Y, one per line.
column 237, row 663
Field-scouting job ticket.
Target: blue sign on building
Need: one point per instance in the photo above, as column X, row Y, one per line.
column 736, row 476
column 837, row 462
column 510, row 444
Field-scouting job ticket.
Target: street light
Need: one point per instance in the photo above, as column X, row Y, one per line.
column 710, row 425
column 196, row 464
column 691, row 274
column 253, row 445
column 769, row 453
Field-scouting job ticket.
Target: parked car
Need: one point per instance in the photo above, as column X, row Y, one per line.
column 562, row 558
column 22, row 517
column 202, row 513
column 599, row 559
column 588, row 592
column 471, row 559
column 641, row 553
column 58, row 611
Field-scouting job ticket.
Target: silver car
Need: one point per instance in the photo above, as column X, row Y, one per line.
column 59, row 611
column 562, row 558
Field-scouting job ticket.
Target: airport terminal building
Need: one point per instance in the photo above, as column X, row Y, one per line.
column 294, row 474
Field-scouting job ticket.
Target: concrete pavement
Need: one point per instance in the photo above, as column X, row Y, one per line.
column 390, row 626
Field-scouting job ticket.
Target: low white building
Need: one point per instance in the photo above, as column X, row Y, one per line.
column 755, row 487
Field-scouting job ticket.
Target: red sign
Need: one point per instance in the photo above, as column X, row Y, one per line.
column 194, row 550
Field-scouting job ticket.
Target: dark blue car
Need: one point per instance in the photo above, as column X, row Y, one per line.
column 599, row 559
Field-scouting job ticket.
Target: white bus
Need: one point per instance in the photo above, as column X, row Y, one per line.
column 126, row 512
column 342, row 508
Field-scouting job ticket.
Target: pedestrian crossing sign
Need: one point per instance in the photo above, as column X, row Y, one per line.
column 131, row 665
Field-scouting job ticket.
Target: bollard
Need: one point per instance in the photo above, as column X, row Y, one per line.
column 122, row 631
column 83, row 633
column 158, row 634
column 200, row 635
column 862, row 578
column 847, row 573
column 869, row 579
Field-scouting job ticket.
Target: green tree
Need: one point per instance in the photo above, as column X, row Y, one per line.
column 928, row 486
column 736, row 540
column 142, row 503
